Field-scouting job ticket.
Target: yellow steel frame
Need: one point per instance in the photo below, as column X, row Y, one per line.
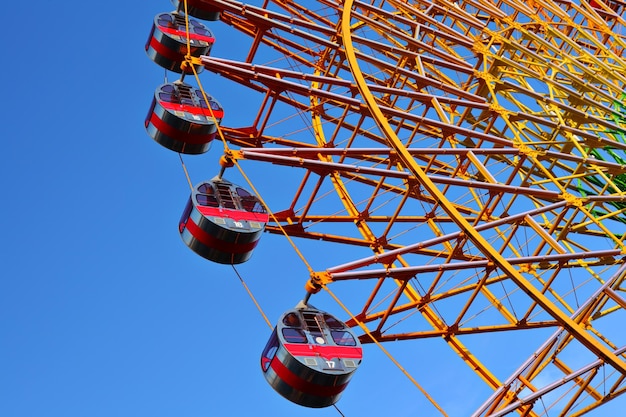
column 474, row 148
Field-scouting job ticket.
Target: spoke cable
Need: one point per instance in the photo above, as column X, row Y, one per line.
column 338, row 410
column 185, row 171
column 256, row 303
column 385, row 351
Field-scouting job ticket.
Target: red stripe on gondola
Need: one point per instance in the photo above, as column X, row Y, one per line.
column 218, row 114
column 325, row 351
column 165, row 51
column 302, row 385
column 221, row 245
column 236, row 215
column 183, row 33
column 185, row 137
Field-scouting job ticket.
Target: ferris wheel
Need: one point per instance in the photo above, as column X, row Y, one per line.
column 464, row 161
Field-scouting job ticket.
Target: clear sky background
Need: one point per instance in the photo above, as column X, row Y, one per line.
column 104, row 312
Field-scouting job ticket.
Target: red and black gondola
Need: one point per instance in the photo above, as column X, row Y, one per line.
column 167, row 45
column 310, row 357
column 201, row 9
column 182, row 120
column 222, row 222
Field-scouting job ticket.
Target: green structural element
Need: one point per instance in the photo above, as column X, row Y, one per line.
column 619, row 118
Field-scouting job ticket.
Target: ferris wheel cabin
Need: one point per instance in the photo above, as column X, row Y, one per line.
column 310, row 357
column 181, row 119
column 222, row 222
column 201, row 9
column 167, row 45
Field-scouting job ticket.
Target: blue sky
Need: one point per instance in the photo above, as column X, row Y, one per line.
column 103, row 310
